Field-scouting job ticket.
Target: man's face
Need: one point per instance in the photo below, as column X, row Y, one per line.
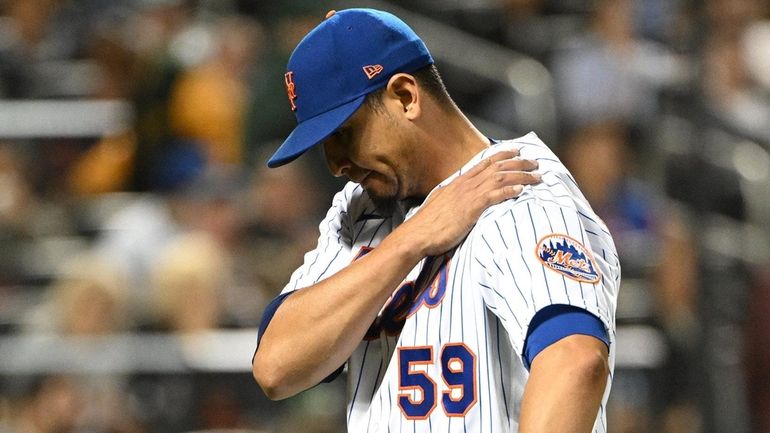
column 372, row 149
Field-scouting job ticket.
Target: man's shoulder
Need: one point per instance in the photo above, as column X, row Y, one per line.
column 530, row 146
column 557, row 189
column 527, row 141
column 535, row 202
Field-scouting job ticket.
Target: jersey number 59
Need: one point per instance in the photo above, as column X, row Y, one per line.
column 417, row 395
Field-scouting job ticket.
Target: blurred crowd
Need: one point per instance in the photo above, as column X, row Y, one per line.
column 173, row 225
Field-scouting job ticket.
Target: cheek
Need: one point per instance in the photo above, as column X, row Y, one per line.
column 384, row 151
column 383, row 184
column 407, row 172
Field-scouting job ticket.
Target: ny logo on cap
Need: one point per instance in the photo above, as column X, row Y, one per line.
column 289, row 80
column 372, row 70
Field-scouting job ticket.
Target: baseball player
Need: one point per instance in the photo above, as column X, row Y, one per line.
column 462, row 291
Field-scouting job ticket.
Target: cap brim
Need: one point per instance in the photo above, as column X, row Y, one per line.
column 313, row 131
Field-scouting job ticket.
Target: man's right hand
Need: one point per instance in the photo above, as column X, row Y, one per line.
column 450, row 212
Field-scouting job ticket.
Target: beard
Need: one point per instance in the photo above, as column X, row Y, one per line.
column 387, row 205
column 383, row 191
column 390, row 205
column 386, row 192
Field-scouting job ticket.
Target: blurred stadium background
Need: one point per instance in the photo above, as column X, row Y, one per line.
column 141, row 234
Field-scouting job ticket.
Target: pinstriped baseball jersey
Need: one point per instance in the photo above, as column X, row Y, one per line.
column 445, row 354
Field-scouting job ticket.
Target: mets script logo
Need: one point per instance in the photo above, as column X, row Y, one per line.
column 568, row 257
column 289, row 81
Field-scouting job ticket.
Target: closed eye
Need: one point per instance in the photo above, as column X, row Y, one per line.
column 342, row 131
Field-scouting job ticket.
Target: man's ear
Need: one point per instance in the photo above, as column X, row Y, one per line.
column 404, row 91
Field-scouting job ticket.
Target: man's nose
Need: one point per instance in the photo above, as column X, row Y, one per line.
column 339, row 167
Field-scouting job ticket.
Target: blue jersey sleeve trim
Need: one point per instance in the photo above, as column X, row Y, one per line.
column 267, row 316
column 555, row 322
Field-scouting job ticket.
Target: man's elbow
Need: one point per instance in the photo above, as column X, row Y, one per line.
column 270, row 378
column 593, row 367
column 588, row 361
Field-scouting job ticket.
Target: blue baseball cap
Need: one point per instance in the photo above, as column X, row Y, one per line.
column 352, row 53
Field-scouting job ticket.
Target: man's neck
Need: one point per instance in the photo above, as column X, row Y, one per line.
column 449, row 160
column 455, row 142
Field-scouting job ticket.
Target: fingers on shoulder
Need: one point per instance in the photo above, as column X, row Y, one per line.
column 492, row 162
column 504, row 192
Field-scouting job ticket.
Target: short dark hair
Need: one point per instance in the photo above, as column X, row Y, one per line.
column 429, row 80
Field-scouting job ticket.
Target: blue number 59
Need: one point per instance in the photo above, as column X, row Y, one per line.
column 418, row 392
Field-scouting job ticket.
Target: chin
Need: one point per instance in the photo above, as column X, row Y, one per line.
column 385, row 191
column 386, row 203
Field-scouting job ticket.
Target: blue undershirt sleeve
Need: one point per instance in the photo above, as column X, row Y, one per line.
column 555, row 322
column 267, row 316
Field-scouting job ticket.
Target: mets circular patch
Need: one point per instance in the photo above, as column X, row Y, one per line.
column 568, row 257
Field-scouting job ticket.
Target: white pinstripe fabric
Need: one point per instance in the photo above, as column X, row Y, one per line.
column 495, row 284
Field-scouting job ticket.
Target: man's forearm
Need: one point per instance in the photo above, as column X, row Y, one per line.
column 317, row 328
column 565, row 387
